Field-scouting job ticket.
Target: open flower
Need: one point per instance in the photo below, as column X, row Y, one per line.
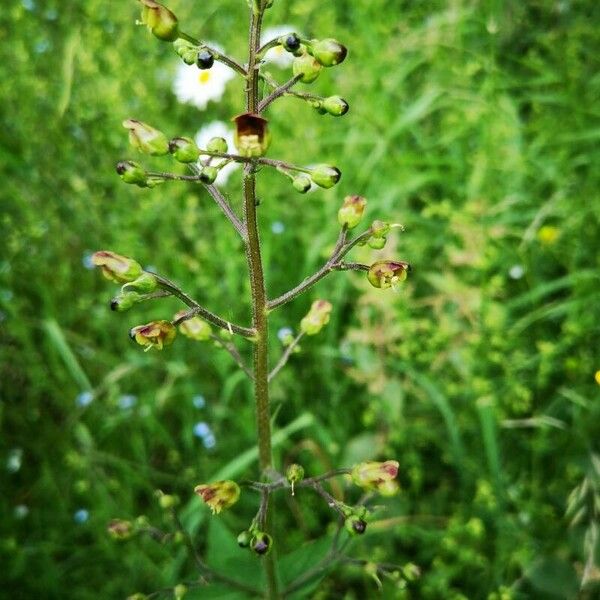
column 199, row 87
column 386, row 274
column 251, row 137
column 115, row 267
column 156, row 334
column 219, row 495
column 217, row 129
column 378, row 476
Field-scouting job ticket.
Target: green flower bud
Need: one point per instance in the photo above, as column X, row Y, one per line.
column 377, row 243
column 336, row 106
column 208, row 175
column 328, row 52
column 219, row 495
column 156, row 334
column 186, row 50
column 251, row 136
column 116, row 267
column 244, row 539
column 179, row 591
column 167, row 501
column 124, row 301
column 294, row 474
column 217, row 144
column 316, row 318
column 138, row 596
column 146, row 138
column 387, row 273
column 194, row 328
column 132, row 172
column 184, row 149
column 380, row 229
column 144, row 284
column 119, row 529
column 290, row 42
column 306, row 66
column 261, row 543
column 160, row 20
column 351, row 212
column 302, row 183
column 325, row 176
column 205, row 59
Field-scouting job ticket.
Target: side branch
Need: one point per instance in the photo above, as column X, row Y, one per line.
column 197, row 309
column 234, row 352
column 277, row 93
column 285, row 356
column 226, row 60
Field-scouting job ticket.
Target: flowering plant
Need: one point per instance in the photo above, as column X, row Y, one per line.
column 206, row 158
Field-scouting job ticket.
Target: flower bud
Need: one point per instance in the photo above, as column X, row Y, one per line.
column 336, row 106
column 160, row 20
column 138, row 596
column 355, row 525
column 328, row 52
column 294, row 474
column 119, row 529
column 132, row 172
column 387, row 273
column 205, row 59
column 302, row 183
column 290, row 42
column 325, row 176
column 316, row 318
column 194, row 328
column 261, row 543
column 156, row 334
column 380, row 229
column 251, row 136
column 217, row 144
column 186, row 50
column 179, row 591
column 307, row 67
column 184, row 149
column 377, row 243
column 124, row 301
column 166, row 501
column 352, row 211
column 375, row 475
column 144, row 284
column 219, row 495
column 146, row 138
column 208, row 175
column 116, row 267
column 244, row 539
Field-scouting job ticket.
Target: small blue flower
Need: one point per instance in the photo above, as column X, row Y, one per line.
column 87, row 261
column 516, row 272
column 199, row 401
column 284, row 334
column 84, row 398
column 277, row 227
column 42, row 46
column 28, row 4
column 127, row 401
column 81, row 516
column 209, row 441
column 202, row 429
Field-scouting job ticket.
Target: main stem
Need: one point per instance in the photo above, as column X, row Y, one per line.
column 259, row 296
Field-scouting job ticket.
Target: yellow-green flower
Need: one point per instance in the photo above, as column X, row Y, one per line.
column 378, row 476
column 219, row 495
column 156, row 334
column 115, row 267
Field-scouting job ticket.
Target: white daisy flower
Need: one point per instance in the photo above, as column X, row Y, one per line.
column 278, row 56
column 217, row 129
column 198, row 87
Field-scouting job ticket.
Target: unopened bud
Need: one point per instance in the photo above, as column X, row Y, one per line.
column 294, row 474
column 119, row 529
column 115, row 267
column 208, row 175
column 351, row 212
column 316, row 318
column 137, row 596
column 144, row 284
column 194, row 328
column 302, row 183
column 205, row 59
column 307, row 67
column 145, row 138
column 186, row 50
column 261, row 543
column 179, row 591
column 132, row 172
column 251, row 136
column 156, row 334
column 217, row 144
column 124, row 301
column 387, row 273
column 166, row 501
column 377, row 243
column 328, row 52
column 336, row 106
column 325, row 176
column 355, row 525
column 219, row 495
column 244, row 539
column 184, row 149
column 290, row 42
column 160, row 20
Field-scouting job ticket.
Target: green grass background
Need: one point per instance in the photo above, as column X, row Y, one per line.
column 476, row 125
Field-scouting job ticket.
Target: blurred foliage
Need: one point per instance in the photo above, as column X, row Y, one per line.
column 476, row 125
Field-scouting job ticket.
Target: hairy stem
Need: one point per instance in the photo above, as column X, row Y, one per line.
column 259, row 296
